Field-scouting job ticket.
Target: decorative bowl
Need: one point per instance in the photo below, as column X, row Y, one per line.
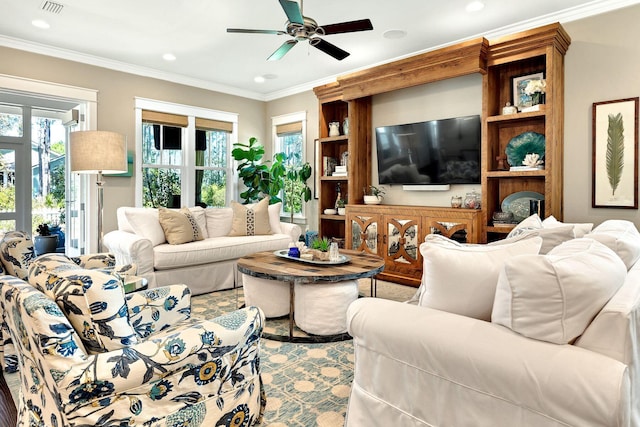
column 330, row 211
column 503, row 216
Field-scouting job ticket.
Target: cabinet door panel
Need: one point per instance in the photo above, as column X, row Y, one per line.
column 402, row 240
column 364, row 233
column 451, row 228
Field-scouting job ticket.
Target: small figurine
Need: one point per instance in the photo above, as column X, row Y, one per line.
column 501, row 159
column 509, row 109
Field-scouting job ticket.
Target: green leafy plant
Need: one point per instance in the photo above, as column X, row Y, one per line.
column 340, row 203
column 372, row 190
column 43, row 230
column 321, row 244
column 260, row 178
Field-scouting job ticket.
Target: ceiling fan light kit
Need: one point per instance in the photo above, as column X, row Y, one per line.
column 303, row 28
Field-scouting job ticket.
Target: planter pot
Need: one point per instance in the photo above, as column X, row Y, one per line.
column 372, row 200
column 45, row 244
column 342, row 211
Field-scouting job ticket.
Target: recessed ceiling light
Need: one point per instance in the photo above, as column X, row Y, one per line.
column 475, row 6
column 169, row 57
column 40, row 23
column 394, row 34
column 259, row 79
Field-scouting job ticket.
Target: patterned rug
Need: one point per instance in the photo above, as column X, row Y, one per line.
column 306, row 384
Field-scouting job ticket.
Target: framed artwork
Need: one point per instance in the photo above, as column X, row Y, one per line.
column 615, row 154
column 518, row 83
column 317, row 170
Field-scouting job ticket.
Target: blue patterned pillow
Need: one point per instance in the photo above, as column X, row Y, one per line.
column 92, row 300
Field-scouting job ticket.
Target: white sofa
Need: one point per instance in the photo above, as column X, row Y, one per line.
column 560, row 347
column 206, row 265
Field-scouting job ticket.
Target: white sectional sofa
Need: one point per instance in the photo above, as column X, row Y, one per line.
column 557, row 345
column 206, row 265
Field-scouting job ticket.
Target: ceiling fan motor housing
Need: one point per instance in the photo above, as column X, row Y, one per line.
column 304, row 32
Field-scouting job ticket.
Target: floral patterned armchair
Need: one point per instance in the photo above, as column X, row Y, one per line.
column 89, row 355
column 16, row 254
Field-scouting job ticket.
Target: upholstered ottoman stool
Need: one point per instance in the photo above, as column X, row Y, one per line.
column 321, row 308
column 272, row 296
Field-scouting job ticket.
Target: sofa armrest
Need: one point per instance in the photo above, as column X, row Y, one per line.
column 498, row 376
column 292, row 230
column 153, row 310
column 129, row 248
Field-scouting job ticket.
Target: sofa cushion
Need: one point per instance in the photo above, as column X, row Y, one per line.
column 144, row 222
column 579, row 229
column 620, row 236
column 92, row 300
column 179, row 226
column 215, row 249
column 250, row 220
column 533, row 226
column 462, row 279
column 16, row 252
column 554, row 297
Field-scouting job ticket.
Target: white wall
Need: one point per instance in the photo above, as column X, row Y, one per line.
column 602, row 64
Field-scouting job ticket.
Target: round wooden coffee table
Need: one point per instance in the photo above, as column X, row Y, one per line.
column 267, row 265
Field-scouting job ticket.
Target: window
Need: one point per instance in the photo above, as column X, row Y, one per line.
column 289, row 138
column 185, row 155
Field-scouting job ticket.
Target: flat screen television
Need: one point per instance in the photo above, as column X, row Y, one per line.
column 445, row 151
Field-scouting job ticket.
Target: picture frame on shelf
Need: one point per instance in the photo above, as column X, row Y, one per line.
column 615, row 154
column 317, row 170
column 518, row 83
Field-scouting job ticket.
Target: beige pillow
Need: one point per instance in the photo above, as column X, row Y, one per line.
column 250, row 221
column 179, row 226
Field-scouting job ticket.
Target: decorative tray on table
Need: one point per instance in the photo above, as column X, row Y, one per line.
column 284, row 253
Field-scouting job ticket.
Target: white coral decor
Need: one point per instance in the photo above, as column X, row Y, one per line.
column 532, row 160
column 538, row 85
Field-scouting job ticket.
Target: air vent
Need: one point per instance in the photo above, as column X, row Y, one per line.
column 51, row 6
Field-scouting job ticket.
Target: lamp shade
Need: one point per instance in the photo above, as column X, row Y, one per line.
column 98, row 151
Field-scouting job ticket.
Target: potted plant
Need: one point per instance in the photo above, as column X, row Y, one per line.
column 374, row 195
column 44, row 242
column 340, row 204
column 320, row 248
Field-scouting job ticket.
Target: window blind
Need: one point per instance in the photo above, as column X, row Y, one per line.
column 295, row 127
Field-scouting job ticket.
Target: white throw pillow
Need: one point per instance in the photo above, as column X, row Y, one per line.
column 554, row 297
column 620, row 236
column 144, row 222
column 532, row 222
column 218, row 221
column 551, row 237
column 462, row 279
column 201, row 219
column 579, row 229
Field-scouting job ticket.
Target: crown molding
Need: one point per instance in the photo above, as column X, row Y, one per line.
column 595, row 7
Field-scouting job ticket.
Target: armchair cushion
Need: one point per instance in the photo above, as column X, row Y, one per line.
column 462, row 279
column 16, row 252
column 554, row 297
column 154, row 310
column 92, row 300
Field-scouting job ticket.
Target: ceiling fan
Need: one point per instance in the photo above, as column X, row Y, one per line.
column 303, row 28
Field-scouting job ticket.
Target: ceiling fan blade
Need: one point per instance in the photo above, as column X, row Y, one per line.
column 282, row 50
column 242, row 30
column 292, row 9
column 329, row 48
column 348, row 27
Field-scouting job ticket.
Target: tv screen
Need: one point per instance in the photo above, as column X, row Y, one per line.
column 445, row 151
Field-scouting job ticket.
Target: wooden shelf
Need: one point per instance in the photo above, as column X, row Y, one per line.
column 333, row 217
column 334, row 178
column 339, row 138
column 516, row 174
column 515, row 117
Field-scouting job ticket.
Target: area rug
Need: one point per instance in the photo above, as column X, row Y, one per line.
column 306, row 384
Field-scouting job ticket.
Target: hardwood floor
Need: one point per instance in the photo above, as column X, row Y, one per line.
column 8, row 412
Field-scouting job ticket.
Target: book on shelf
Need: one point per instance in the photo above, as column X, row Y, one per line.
column 525, row 168
column 328, row 165
column 339, row 174
column 537, row 107
column 340, row 168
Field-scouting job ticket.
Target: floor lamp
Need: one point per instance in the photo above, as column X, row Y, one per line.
column 98, row 152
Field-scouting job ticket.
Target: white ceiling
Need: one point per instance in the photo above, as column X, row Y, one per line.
column 132, row 36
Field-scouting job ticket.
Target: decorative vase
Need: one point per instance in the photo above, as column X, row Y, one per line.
column 55, row 230
column 456, row 201
column 342, row 211
column 537, row 98
column 334, row 129
column 45, row 244
column 345, row 126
